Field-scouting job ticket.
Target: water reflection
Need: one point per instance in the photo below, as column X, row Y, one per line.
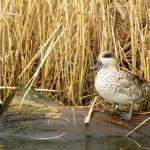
column 103, row 143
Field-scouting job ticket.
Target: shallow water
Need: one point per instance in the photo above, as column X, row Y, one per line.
column 103, row 143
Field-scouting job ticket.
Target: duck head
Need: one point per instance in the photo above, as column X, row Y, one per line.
column 106, row 59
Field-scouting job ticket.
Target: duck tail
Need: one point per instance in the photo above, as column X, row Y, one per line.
column 146, row 88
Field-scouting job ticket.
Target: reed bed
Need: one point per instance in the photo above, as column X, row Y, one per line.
column 51, row 44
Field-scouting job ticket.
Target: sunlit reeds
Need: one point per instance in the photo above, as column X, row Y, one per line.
column 52, row 44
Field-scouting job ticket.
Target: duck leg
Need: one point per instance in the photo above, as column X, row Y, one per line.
column 129, row 115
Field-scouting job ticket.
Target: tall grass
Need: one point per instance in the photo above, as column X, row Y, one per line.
column 51, row 44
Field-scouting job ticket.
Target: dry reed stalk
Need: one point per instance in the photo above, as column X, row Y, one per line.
column 29, row 53
column 87, row 118
column 120, row 8
column 138, row 126
column 61, row 136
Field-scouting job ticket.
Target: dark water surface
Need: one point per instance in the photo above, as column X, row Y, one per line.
column 103, row 143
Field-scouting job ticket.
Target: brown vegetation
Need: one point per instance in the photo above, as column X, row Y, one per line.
column 52, row 44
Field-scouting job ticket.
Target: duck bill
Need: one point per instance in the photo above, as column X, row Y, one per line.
column 97, row 65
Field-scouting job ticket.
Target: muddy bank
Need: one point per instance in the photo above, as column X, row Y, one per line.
column 41, row 118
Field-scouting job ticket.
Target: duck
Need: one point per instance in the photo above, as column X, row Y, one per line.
column 119, row 86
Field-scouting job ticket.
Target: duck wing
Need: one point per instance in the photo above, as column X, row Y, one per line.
column 130, row 85
column 127, row 79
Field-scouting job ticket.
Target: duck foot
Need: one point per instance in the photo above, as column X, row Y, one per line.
column 126, row 117
column 115, row 111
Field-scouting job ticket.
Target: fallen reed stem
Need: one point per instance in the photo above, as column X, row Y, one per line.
column 87, row 118
column 138, row 126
